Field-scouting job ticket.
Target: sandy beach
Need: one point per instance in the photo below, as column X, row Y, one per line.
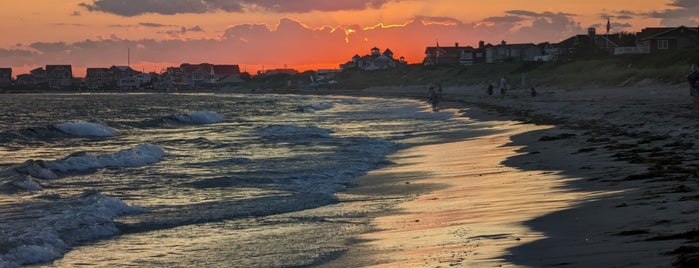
column 594, row 177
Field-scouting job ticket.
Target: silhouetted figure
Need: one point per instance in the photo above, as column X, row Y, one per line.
column 692, row 78
column 503, row 86
column 433, row 98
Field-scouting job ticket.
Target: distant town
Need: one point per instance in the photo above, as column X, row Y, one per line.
column 206, row 75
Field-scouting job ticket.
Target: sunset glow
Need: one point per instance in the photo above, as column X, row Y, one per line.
column 305, row 34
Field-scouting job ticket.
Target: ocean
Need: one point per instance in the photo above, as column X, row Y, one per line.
column 184, row 180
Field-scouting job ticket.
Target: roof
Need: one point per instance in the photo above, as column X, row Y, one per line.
column 650, row 33
column 226, row 69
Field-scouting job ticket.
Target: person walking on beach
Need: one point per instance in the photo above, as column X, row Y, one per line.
column 490, row 88
column 503, row 86
column 692, row 78
column 433, row 98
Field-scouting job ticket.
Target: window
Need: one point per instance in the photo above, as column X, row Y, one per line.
column 663, row 44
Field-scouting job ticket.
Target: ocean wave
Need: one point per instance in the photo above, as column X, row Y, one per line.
column 23, row 177
column 317, row 107
column 56, row 226
column 86, row 129
column 140, row 155
column 295, row 132
column 199, row 118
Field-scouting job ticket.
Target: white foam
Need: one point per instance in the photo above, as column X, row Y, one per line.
column 200, row 118
column 322, row 106
column 86, row 129
column 140, row 155
column 66, row 222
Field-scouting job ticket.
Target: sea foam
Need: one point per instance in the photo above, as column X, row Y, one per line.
column 59, row 225
column 200, row 118
column 23, row 177
column 140, row 155
column 86, row 129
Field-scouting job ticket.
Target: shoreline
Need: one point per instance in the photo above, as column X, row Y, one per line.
column 617, row 185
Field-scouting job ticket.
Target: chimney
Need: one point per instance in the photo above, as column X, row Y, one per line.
column 503, row 42
column 456, row 44
column 591, row 32
column 481, row 44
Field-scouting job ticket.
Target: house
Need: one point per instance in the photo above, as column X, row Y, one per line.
column 456, row 55
column 225, row 74
column 279, row 71
column 97, row 78
column 589, row 43
column 5, row 77
column 667, row 38
column 196, row 74
column 373, row 61
column 512, row 52
column 35, row 77
column 59, row 76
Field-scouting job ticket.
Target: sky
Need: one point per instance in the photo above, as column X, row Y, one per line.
column 150, row 35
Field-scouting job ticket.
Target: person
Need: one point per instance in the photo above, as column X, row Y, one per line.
column 439, row 91
column 503, row 86
column 533, row 92
column 692, row 78
column 490, row 87
column 433, row 97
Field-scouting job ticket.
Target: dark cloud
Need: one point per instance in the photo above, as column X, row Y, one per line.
column 530, row 26
column 300, row 6
column 505, row 19
column 681, row 12
column 154, row 25
column 130, row 8
column 195, row 29
column 171, row 7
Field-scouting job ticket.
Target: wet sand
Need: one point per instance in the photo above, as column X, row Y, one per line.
column 582, row 178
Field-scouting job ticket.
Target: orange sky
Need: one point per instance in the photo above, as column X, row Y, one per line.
column 301, row 34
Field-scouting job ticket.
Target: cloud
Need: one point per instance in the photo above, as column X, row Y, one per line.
column 153, row 25
column 530, row 26
column 127, row 8
column 679, row 12
column 75, row 14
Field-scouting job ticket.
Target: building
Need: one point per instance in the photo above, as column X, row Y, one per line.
column 373, row 61
column 59, row 76
column 226, row 74
column 586, row 44
column 512, row 52
column 663, row 39
column 197, row 74
column 36, row 77
column 98, row 78
column 5, row 77
column 455, row 56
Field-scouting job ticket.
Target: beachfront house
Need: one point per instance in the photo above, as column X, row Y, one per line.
column 226, row 74
column 5, row 77
column 512, row 52
column 454, row 56
column 662, row 39
column 36, row 77
column 59, row 76
column 590, row 43
column 373, row 61
column 98, row 78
